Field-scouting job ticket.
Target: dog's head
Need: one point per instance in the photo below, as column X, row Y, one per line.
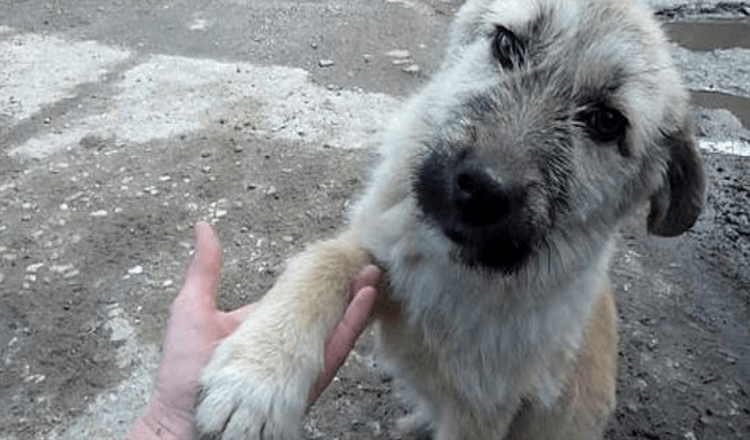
column 548, row 121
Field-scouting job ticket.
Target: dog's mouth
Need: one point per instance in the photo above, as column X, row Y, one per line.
column 485, row 216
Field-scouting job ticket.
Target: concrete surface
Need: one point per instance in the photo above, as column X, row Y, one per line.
column 123, row 122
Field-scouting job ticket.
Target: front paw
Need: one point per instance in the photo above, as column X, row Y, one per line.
column 242, row 399
column 414, row 426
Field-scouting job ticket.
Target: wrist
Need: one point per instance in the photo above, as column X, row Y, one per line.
column 161, row 422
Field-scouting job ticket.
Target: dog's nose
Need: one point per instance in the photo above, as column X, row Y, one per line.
column 481, row 198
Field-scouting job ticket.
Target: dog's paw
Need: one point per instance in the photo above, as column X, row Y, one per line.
column 238, row 400
column 414, row 426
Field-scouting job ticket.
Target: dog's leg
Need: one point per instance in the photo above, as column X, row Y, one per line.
column 258, row 383
column 589, row 395
column 459, row 424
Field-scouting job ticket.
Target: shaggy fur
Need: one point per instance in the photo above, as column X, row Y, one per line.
column 494, row 211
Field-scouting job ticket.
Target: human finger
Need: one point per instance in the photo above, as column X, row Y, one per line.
column 345, row 334
column 201, row 278
column 369, row 277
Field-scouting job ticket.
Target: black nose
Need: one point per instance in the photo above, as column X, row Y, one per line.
column 481, row 198
column 482, row 211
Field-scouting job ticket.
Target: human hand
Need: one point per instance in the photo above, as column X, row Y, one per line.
column 195, row 328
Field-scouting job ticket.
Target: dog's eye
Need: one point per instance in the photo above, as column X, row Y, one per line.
column 606, row 124
column 507, row 48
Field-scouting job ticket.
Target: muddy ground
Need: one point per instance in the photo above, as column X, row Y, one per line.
column 94, row 238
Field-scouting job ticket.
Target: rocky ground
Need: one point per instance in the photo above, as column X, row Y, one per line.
column 121, row 123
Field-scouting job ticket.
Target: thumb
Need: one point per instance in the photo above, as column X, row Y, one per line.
column 201, row 279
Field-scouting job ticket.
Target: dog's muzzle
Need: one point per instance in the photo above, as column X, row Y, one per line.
column 484, row 214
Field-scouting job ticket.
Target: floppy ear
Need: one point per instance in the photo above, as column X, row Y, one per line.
column 676, row 204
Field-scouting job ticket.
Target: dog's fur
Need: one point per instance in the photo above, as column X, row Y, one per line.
column 494, row 211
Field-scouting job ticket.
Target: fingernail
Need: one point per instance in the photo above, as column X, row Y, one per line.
column 371, row 268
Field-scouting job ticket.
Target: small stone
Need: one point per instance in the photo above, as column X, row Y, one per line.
column 641, row 384
column 238, row 148
column 100, row 213
column 412, row 69
column 71, row 274
column 137, row 270
column 325, row 63
column 167, row 283
column 33, row 268
column 77, row 195
column 367, row 57
column 398, row 53
column 400, row 61
column 165, row 178
column 61, row 268
column 205, row 154
column 206, row 170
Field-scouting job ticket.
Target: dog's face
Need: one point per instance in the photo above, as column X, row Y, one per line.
column 548, row 121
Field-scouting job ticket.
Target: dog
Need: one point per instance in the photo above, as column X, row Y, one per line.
column 494, row 211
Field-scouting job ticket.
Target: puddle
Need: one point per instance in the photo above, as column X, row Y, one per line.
column 710, row 35
column 739, row 106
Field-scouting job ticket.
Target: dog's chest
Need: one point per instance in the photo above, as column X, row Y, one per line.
column 480, row 335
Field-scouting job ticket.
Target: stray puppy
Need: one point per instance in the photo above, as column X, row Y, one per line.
column 494, row 211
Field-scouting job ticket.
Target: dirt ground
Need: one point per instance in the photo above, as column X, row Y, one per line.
column 93, row 242
column 683, row 303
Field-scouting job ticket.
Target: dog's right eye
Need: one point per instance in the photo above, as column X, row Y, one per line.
column 507, row 48
column 606, row 124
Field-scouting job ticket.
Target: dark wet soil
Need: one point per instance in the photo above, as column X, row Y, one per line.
column 711, row 35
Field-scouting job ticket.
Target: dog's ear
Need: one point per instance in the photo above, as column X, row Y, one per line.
column 675, row 206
